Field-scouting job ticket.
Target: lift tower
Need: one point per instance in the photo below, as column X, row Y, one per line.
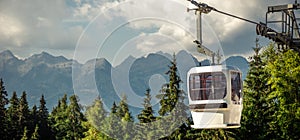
column 287, row 32
column 287, row 35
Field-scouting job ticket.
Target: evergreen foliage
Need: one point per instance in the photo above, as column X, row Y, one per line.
column 271, row 109
column 58, row 118
column 44, row 130
column 95, row 115
column 23, row 113
column 171, row 91
column 271, row 101
column 145, row 129
column 147, row 114
column 126, row 122
column 74, row 121
column 172, row 104
column 25, row 134
column 3, row 115
column 94, row 134
column 35, row 135
column 67, row 120
column 123, row 110
column 285, row 94
column 33, row 119
column 256, row 113
column 119, row 123
column 12, row 117
column 114, row 108
column 112, row 123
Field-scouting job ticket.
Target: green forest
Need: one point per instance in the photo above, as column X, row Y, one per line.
column 271, row 109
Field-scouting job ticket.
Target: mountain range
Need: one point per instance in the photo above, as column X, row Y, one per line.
column 54, row 76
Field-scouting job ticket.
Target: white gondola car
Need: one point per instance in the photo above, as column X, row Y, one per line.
column 215, row 96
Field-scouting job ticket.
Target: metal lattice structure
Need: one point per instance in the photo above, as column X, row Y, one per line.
column 283, row 30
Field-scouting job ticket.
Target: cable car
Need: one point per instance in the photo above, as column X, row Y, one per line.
column 215, row 96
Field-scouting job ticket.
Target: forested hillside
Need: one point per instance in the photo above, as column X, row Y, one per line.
column 271, row 109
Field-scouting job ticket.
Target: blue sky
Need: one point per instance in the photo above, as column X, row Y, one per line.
column 115, row 29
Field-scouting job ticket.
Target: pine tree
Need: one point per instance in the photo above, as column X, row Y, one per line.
column 63, row 103
column 179, row 113
column 147, row 114
column 3, row 103
column 170, row 91
column 55, row 109
column 96, row 116
column 255, row 115
column 67, row 120
column 114, row 108
column 127, row 125
column 126, row 119
column 112, row 123
column 58, row 118
column 25, row 134
column 75, row 120
column 285, row 95
column 43, row 123
column 123, row 109
column 12, row 114
column 23, row 113
column 33, row 119
column 35, row 135
column 145, row 130
column 172, row 108
column 119, row 123
column 94, row 134
column 96, row 113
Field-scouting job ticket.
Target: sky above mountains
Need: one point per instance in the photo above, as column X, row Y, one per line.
column 115, row 29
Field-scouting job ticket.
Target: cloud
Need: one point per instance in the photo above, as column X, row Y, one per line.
column 169, row 38
column 11, row 30
column 56, row 25
column 36, row 26
column 226, row 26
column 159, row 15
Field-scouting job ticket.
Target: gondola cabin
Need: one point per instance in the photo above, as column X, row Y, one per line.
column 215, row 96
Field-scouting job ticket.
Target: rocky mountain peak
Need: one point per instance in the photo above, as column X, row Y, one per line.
column 6, row 55
column 46, row 58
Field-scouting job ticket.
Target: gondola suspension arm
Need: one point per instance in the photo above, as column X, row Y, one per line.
column 290, row 38
column 206, row 9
